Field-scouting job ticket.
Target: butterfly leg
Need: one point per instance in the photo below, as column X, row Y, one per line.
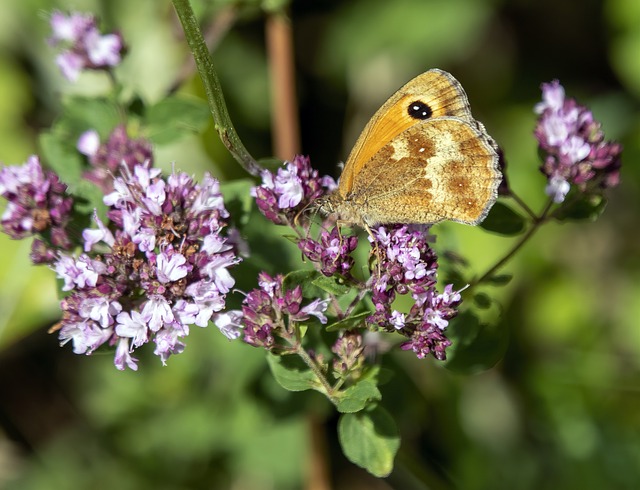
column 375, row 249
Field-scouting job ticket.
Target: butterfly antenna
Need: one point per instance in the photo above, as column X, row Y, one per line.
column 296, row 219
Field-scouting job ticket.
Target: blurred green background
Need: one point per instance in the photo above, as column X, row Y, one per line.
column 561, row 410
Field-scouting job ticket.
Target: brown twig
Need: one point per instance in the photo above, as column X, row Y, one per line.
column 286, row 144
column 284, row 115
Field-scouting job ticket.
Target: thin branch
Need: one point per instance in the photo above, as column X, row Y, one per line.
column 215, row 97
column 523, row 205
column 537, row 222
column 318, row 462
column 311, row 364
column 213, row 34
column 284, row 114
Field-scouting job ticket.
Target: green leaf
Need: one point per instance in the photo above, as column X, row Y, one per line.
column 62, row 157
column 293, row 374
column 353, row 321
column 84, row 113
column 453, row 275
column 475, row 346
column 238, row 200
column 482, row 300
column 58, row 146
column 504, row 220
column 500, row 279
column 331, row 285
column 359, row 395
column 305, row 279
column 584, row 208
column 370, row 440
column 174, row 117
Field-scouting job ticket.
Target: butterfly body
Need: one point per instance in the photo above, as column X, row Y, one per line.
column 422, row 158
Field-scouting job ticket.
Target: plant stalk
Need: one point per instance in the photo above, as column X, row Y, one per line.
column 212, row 87
column 537, row 222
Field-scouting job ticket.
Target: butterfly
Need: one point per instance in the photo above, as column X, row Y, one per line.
column 421, row 159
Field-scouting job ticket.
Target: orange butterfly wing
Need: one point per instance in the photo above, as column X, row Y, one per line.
column 442, row 93
column 439, row 169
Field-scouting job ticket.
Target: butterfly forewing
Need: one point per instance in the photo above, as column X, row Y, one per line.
column 437, row 90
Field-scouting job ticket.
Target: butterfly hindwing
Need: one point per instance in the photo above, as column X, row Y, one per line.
column 438, row 169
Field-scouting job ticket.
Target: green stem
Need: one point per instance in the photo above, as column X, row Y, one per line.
column 304, row 355
column 537, row 222
column 577, row 196
column 359, row 297
column 215, row 97
column 523, row 205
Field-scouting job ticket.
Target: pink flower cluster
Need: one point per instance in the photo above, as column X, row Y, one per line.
column 161, row 266
column 83, row 47
column 576, row 151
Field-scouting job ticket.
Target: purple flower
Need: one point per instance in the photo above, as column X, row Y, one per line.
column 576, row 151
column 36, row 205
column 70, row 65
column 552, row 98
column 407, row 265
column 397, row 319
column 557, row 188
column 158, row 310
column 133, row 325
column 207, row 296
column 89, row 143
column 283, row 195
column 171, row 266
column 230, row 323
column 349, row 360
column 69, row 28
column 123, row 356
column 102, row 50
column 168, row 343
column 112, row 157
column 427, row 339
column 40, row 253
column 86, row 336
column 316, row 308
column 100, row 309
column 83, row 45
column 81, row 273
column 92, row 236
column 162, row 265
column 332, row 252
column 269, row 312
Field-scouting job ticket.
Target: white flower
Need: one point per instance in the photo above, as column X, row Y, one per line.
column 158, row 311
column 88, row 142
column 171, row 267
column 133, row 326
column 316, row 308
column 557, row 187
column 229, row 323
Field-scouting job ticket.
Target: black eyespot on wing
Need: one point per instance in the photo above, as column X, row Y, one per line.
column 419, row 110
